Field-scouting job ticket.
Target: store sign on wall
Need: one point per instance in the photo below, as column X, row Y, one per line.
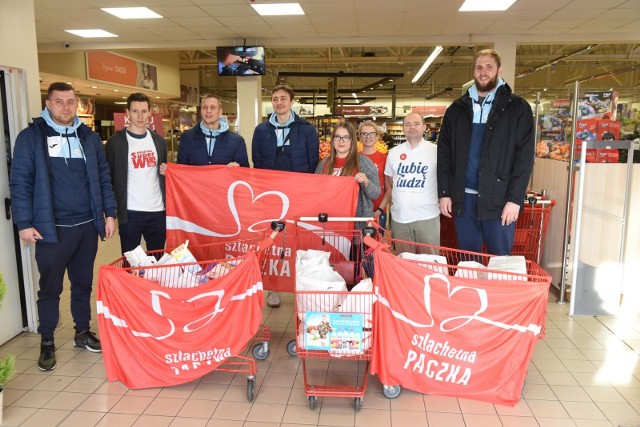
column 429, row 110
column 111, row 68
column 121, row 121
column 361, row 110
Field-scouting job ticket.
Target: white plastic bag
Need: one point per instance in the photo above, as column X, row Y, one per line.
column 360, row 300
column 469, row 270
column 432, row 261
column 311, row 257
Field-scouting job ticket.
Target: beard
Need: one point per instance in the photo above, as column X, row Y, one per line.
column 488, row 86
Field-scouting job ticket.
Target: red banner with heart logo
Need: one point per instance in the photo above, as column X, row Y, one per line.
column 154, row 336
column 454, row 336
column 212, row 204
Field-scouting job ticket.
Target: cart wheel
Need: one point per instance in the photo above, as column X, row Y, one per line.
column 391, row 391
column 251, row 386
column 260, row 351
column 358, row 402
column 312, row 402
column 291, row 347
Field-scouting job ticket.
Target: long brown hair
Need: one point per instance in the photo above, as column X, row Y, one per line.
column 351, row 165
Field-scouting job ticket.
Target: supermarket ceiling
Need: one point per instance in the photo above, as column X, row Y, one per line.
column 373, row 36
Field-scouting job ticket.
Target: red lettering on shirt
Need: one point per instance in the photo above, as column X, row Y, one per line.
column 144, row 159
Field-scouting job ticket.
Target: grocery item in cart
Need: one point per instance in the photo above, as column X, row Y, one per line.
column 430, row 261
column 509, row 264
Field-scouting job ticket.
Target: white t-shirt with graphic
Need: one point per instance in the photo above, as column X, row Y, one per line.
column 143, row 184
column 415, row 185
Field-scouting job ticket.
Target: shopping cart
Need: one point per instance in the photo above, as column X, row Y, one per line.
column 451, row 329
column 530, row 233
column 335, row 325
column 167, row 324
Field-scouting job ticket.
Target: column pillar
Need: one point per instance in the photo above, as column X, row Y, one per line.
column 249, row 90
column 507, row 49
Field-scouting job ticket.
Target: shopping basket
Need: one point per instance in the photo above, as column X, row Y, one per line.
column 334, row 324
column 450, row 329
column 168, row 324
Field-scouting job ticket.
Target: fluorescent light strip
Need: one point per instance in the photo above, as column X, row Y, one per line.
column 132, row 12
column 428, row 62
column 485, row 5
column 278, row 9
column 88, row 34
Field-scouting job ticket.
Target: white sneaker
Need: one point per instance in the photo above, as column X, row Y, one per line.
column 273, row 299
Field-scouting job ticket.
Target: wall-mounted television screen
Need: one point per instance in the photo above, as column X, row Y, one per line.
column 240, row 60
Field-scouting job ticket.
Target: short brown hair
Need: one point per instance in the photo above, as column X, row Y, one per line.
column 138, row 97
column 59, row 86
column 285, row 88
column 488, row 52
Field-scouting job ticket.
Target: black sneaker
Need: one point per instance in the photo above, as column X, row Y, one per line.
column 47, row 360
column 87, row 339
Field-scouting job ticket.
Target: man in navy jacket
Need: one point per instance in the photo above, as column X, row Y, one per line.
column 285, row 142
column 485, row 159
column 60, row 194
column 210, row 142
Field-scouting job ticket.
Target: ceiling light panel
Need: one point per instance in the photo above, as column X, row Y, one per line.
column 132, row 12
column 278, row 9
column 94, row 33
column 485, row 5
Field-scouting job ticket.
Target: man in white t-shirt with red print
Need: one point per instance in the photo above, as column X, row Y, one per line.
column 138, row 160
column 411, row 187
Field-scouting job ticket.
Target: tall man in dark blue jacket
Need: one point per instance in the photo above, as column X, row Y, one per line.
column 285, row 142
column 210, row 142
column 61, row 193
column 485, row 159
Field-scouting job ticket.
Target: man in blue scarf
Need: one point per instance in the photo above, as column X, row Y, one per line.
column 210, row 142
column 485, row 159
column 61, row 193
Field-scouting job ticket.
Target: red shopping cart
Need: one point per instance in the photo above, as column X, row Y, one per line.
column 167, row 324
column 531, row 229
column 334, row 325
column 455, row 323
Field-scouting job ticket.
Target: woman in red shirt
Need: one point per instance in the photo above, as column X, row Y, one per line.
column 369, row 137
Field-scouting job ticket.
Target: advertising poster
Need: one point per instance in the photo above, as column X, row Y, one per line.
column 111, row 68
column 333, row 331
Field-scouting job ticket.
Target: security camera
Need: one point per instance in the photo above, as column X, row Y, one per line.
column 470, row 46
column 66, row 45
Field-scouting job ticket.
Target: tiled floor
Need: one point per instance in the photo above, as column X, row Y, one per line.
column 585, row 372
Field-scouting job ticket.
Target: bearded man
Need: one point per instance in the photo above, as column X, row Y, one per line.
column 485, row 158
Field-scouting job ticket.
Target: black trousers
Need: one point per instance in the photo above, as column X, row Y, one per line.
column 150, row 225
column 74, row 253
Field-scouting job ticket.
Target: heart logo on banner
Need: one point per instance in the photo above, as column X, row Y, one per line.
column 284, row 200
column 459, row 321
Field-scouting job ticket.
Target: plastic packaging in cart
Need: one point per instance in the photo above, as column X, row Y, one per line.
column 469, row 270
column 509, row 264
column 355, row 302
column 139, row 258
column 430, row 259
column 183, row 255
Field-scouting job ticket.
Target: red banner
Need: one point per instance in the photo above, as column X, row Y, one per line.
column 154, row 336
column 212, row 204
column 121, row 121
column 451, row 336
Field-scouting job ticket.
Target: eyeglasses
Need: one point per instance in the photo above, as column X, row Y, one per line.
column 368, row 134
column 345, row 138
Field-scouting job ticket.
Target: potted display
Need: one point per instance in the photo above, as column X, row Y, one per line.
column 8, row 363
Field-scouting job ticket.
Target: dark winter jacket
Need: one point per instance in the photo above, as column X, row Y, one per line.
column 117, row 152
column 229, row 147
column 507, row 153
column 304, row 149
column 30, row 184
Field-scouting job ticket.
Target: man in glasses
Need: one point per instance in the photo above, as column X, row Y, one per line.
column 285, row 142
column 411, row 187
